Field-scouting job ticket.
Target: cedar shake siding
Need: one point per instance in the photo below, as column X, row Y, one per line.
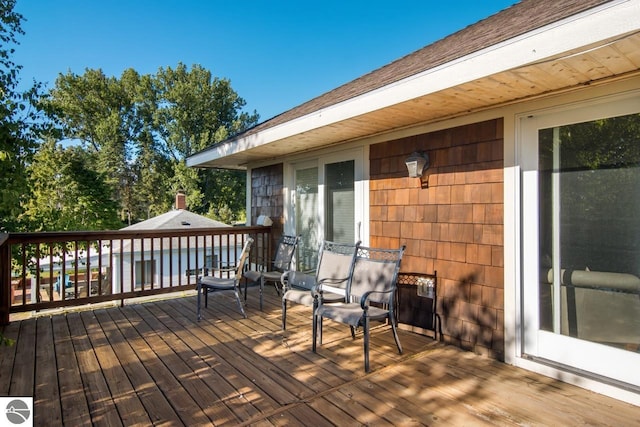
column 454, row 226
column 267, row 198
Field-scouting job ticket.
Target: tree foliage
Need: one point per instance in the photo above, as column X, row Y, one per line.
column 98, row 151
column 58, row 175
column 139, row 129
column 17, row 121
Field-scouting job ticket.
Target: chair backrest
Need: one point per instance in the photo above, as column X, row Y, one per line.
column 284, row 252
column 375, row 269
column 244, row 257
column 335, row 261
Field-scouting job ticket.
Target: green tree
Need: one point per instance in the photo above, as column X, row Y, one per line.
column 98, row 112
column 140, row 128
column 195, row 111
column 67, row 193
column 225, row 193
column 17, row 121
column 153, row 166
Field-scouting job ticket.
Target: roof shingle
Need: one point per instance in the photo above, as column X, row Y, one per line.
column 512, row 22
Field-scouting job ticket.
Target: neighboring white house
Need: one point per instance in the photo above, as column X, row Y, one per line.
column 181, row 257
column 131, row 263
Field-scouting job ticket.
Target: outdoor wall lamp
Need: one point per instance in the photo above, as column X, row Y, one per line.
column 417, row 163
column 264, row 220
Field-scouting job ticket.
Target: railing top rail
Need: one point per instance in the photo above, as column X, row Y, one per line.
column 57, row 236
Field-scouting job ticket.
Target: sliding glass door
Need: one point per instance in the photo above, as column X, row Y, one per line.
column 327, row 203
column 307, row 218
column 340, row 202
column 581, row 238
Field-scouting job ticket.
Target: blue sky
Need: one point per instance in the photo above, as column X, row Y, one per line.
column 277, row 54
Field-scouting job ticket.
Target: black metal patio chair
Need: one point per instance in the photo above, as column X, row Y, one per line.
column 371, row 293
column 207, row 284
column 281, row 262
column 335, row 261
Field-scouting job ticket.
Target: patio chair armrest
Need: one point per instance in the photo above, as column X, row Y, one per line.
column 316, row 288
column 332, row 280
column 288, row 276
column 364, row 300
column 225, row 270
column 271, row 266
column 205, row 271
column 284, row 279
column 316, row 291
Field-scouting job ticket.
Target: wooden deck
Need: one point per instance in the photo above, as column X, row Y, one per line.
column 152, row 364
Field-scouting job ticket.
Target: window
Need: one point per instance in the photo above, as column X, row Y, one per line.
column 340, row 201
column 307, row 220
column 327, row 202
column 589, row 240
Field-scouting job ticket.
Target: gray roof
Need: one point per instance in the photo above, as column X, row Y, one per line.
column 176, row 219
column 172, row 220
column 525, row 16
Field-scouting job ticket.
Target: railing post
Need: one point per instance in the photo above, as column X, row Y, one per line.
column 5, row 279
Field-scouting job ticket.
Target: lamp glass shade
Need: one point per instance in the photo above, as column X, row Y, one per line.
column 416, row 164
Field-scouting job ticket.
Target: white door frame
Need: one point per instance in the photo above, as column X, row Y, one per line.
column 596, row 358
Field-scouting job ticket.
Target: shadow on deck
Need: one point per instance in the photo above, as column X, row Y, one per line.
column 152, row 363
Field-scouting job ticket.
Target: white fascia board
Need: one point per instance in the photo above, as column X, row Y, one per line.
column 605, row 22
column 591, row 27
column 226, row 149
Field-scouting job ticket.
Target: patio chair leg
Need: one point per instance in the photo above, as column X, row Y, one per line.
column 284, row 314
column 438, row 328
column 366, row 344
column 315, row 321
column 261, row 289
column 395, row 336
column 198, row 314
column 315, row 332
column 353, row 332
column 240, row 304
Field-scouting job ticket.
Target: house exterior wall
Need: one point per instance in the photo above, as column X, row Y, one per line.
column 454, row 227
column 171, row 267
column 267, row 197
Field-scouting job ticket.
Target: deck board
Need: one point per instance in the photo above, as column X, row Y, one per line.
column 125, row 399
column 152, row 363
column 46, row 373
column 101, row 405
column 23, row 384
column 189, row 393
column 236, row 390
column 148, row 392
column 73, row 400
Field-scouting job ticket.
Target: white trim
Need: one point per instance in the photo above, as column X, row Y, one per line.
column 581, row 31
column 359, row 154
column 579, row 380
column 511, row 258
column 512, row 191
column 592, row 103
column 247, row 207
